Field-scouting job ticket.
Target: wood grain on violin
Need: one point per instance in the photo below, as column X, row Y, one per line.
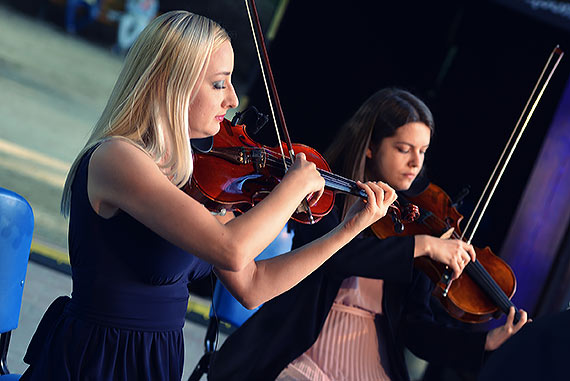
column 485, row 287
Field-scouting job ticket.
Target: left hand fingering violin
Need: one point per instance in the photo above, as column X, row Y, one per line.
column 237, row 172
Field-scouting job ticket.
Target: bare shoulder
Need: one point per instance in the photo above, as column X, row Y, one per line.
column 117, row 150
column 118, row 172
column 122, row 177
column 119, row 157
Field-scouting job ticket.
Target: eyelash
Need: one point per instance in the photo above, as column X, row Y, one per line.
column 404, row 151
column 220, row 85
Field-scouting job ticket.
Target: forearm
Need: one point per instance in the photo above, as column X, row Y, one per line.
column 254, row 230
column 422, row 246
column 263, row 280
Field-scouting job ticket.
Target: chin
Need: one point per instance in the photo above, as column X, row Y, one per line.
column 403, row 186
column 206, row 133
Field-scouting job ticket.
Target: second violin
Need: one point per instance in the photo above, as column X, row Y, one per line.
column 486, row 286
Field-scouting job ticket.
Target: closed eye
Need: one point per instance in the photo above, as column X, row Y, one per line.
column 219, row 85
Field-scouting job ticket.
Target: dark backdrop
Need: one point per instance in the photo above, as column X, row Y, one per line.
column 474, row 64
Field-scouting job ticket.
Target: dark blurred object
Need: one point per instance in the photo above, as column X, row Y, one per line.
column 540, row 351
column 80, row 13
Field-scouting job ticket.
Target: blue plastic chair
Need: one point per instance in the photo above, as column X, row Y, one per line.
column 225, row 306
column 227, row 309
column 16, row 228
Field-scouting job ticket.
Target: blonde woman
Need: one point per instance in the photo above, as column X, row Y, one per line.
column 136, row 240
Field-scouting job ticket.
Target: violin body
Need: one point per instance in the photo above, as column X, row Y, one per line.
column 467, row 300
column 238, row 172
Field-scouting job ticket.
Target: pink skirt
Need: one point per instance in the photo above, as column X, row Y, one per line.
column 347, row 349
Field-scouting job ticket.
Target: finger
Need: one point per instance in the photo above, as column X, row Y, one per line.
column 461, row 264
column 523, row 318
column 301, row 156
column 378, row 192
column 311, row 198
column 471, row 251
column 317, row 196
column 389, row 192
column 510, row 316
column 456, row 270
column 390, row 196
column 393, row 196
column 465, row 258
column 371, row 197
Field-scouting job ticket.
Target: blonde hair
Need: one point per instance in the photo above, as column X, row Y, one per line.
column 149, row 103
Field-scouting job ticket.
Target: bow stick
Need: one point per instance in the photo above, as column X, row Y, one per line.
column 271, row 89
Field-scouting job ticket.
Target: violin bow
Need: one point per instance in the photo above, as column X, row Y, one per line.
column 271, row 90
column 489, row 190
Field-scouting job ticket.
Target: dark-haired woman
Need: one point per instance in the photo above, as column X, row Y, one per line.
column 353, row 317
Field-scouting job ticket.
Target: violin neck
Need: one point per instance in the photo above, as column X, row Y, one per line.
column 341, row 184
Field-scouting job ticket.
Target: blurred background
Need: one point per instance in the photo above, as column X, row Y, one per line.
column 474, row 63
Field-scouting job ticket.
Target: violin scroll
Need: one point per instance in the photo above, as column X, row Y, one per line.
column 400, row 215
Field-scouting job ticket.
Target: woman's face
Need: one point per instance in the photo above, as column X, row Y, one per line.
column 215, row 94
column 398, row 159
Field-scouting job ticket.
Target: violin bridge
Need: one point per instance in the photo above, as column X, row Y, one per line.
column 259, row 159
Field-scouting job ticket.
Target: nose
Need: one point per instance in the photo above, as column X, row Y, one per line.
column 231, row 99
column 415, row 159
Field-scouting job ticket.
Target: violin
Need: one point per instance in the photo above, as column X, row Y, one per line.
column 236, row 172
column 485, row 287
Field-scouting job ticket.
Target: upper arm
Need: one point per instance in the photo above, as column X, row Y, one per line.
column 124, row 177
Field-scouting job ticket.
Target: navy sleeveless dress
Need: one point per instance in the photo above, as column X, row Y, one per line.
column 130, row 293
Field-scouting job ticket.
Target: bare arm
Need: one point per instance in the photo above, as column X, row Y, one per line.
column 122, row 177
column 263, row 280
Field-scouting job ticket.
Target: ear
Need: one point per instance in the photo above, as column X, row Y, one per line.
column 368, row 153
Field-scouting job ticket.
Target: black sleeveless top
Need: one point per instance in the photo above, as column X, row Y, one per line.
column 130, row 294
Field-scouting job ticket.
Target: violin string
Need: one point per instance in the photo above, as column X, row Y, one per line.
column 476, row 270
column 484, row 281
column 489, row 284
column 337, row 179
column 327, row 175
column 483, row 278
column 271, row 154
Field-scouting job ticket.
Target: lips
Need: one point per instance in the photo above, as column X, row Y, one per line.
column 220, row 118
